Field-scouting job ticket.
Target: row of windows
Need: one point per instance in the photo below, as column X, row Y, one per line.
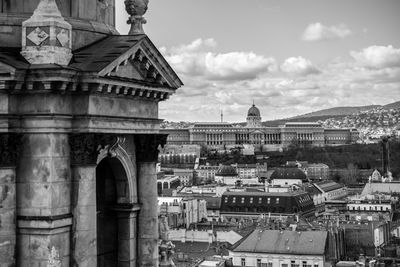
column 252, row 199
column 370, row 208
column 269, row 264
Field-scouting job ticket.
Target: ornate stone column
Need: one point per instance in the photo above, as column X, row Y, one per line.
column 9, row 152
column 43, row 199
column 146, row 156
column 85, row 149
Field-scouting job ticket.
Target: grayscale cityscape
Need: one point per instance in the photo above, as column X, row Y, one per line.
column 199, row 133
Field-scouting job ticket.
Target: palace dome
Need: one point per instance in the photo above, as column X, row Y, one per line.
column 253, row 112
column 289, row 173
column 226, row 170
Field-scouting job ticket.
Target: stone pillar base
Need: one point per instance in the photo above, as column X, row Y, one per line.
column 43, row 240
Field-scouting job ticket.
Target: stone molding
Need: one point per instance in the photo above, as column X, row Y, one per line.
column 147, row 146
column 10, row 149
column 85, row 147
column 92, row 85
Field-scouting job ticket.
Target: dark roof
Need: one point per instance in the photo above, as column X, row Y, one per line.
column 226, row 170
column 253, row 112
column 263, row 202
column 11, row 56
column 283, row 242
column 312, row 189
column 289, row 173
column 262, row 193
column 100, row 54
column 328, row 185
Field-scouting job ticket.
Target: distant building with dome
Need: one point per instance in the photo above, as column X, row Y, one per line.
column 220, row 135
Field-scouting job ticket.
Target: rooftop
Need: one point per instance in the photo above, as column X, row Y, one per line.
column 283, row 242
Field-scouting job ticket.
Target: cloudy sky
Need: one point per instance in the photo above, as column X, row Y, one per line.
column 288, row 56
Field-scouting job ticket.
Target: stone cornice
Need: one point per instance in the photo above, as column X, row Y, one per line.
column 69, row 81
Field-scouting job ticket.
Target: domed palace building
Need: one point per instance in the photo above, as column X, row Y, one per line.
column 219, row 135
column 79, row 134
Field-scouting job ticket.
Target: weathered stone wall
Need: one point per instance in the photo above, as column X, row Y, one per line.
column 7, row 216
column 90, row 19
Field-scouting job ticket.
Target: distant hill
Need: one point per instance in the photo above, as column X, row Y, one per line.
column 392, row 105
column 338, row 111
column 335, row 113
column 276, row 123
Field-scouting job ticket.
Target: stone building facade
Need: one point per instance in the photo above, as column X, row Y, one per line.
column 79, row 135
column 218, row 135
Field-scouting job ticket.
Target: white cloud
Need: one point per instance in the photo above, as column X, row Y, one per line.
column 318, row 32
column 231, row 81
column 377, row 57
column 195, row 59
column 299, row 65
column 237, row 65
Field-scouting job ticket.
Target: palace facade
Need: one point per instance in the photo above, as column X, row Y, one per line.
column 222, row 134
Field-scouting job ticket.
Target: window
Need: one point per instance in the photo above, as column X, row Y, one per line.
column 251, row 200
column 268, row 200
column 234, row 200
column 277, row 200
column 259, row 200
column 284, row 265
column 242, row 200
column 226, row 199
column 316, row 265
column 269, row 264
column 243, row 262
column 258, row 262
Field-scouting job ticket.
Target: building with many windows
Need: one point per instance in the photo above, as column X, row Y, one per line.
column 237, row 206
column 219, row 135
column 275, row 248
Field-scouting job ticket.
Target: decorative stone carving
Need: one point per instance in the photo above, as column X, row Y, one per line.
column 54, row 258
column 136, row 9
column 85, row 147
column 37, row 36
column 46, row 36
column 10, row 149
column 147, row 146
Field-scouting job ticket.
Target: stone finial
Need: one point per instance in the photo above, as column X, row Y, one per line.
column 46, row 36
column 136, row 9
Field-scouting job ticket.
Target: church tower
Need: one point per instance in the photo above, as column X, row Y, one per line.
column 79, row 134
column 253, row 118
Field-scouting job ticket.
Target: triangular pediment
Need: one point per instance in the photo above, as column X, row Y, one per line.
column 257, row 132
column 143, row 62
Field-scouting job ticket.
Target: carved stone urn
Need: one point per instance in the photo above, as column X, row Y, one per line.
column 136, row 9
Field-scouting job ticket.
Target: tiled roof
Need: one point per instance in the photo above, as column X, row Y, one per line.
column 381, row 188
column 11, row 56
column 328, row 185
column 283, row 242
column 289, row 173
column 312, row 189
column 98, row 55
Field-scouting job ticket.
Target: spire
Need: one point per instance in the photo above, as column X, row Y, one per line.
column 222, row 116
column 46, row 36
column 136, row 9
